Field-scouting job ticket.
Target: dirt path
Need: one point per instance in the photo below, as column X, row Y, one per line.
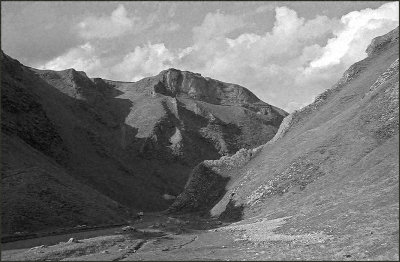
column 185, row 238
column 154, row 231
column 131, row 251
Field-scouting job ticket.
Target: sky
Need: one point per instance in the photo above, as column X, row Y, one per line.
column 285, row 52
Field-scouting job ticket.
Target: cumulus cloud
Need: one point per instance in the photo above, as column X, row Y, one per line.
column 143, row 61
column 358, row 28
column 216, row 25
column 287, row 66
column 111, row 26
column 282, row 66
column 81, row 58
column 267, row 64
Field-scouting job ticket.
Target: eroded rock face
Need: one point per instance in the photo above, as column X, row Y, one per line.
column 208, row 182
column 176, row 83
column 184, row 83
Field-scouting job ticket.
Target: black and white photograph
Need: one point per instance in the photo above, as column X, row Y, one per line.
column 199, row 130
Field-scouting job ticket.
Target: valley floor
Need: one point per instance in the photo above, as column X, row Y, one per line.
column 161, row 237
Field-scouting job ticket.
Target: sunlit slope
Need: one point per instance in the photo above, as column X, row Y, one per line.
column 333, row 166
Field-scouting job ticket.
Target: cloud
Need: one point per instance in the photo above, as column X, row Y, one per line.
column 143, row 61
column 111, row 26
column 81, row 58
column 267, row 64
column 35, row 31
column 281, row 66
column 358, row 29
column 172, row 10
column 286, row 66
column 216, row 25
column 292, row 106
column 168, row 28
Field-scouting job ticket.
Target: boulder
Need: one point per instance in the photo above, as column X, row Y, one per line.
column 169, row 197
column 129, row 228
column 73, row 240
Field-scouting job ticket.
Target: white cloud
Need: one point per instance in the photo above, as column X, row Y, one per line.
column 111, row 26
column 267, row 64
column 143, row 61
column 82, row 58
column 287, row 66
column 292, row 106
column 276, row 66
column 358, row 29
column 216, row 25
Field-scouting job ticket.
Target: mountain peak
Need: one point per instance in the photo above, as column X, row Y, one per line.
column 177, row 71
column 169, row 70
column 174, row 82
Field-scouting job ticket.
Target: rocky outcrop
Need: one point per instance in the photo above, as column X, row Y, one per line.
column 383, row 42
column 176, row 83
column 208, row 180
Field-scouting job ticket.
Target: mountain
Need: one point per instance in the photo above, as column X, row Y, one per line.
column 80, row 150
column 328, row 180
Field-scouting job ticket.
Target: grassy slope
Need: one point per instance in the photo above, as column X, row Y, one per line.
column 38, row 194
column 334, row 169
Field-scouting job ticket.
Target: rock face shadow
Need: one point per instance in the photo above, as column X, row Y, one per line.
column 232, row 212
column 203, row 191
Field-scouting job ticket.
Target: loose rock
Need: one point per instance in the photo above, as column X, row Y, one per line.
column 129, row 228
column 73, row 240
